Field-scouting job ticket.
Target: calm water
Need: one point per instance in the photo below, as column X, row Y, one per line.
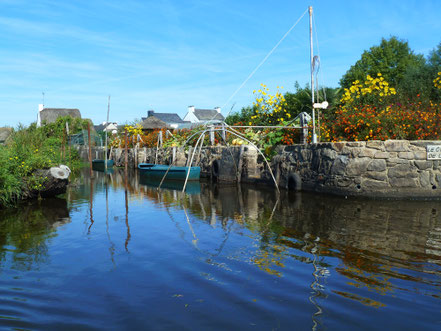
column 118, row 254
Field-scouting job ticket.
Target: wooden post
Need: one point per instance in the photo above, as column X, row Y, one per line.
column 304, row 125
column 90, row 149
column 190, row 151
column 126, row 157
column 107, row 125
column 211, row 135
column 135, row 156
column 160, row 138
column 240, row 165
column 62, row 145
column 68, row 144
column 224, row 136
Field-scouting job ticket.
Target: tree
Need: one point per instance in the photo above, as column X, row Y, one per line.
column 300, row 100
column 417, row 83
column 243, row 116
column 392, row 58
column 434, row 67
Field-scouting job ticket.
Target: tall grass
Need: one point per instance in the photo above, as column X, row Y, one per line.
column 31, row 148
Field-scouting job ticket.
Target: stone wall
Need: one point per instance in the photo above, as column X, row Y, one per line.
column 393, row 168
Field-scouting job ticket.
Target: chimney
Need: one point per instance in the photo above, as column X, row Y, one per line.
column 40, row 108
column 191, row 109
column 150, row 113
column 217, row 109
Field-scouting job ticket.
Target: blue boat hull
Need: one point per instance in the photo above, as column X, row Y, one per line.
column 175, row 173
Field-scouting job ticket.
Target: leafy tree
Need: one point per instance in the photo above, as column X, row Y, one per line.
column 417, row 83
column 300, row 100
column 392, row 58
column 434, row 59
column 243, row 116
column 434, row 67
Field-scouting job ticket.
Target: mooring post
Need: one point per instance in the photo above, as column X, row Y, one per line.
column 126, row 157
column 211, row 135
column 68, row 144
column 304, row 125
column 90, row 149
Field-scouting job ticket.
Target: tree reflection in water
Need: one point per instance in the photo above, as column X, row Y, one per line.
column 25, row 232
column 375, row 242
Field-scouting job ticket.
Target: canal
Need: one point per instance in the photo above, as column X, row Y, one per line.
column 116, row 253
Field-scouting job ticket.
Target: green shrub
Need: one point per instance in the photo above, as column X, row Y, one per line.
column 35, row 148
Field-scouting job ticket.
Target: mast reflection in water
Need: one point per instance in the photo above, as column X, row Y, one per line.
column 119, row 253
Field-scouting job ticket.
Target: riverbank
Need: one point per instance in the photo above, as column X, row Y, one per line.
column 386, row 169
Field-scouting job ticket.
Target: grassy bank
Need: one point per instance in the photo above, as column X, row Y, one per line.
column 31, row 148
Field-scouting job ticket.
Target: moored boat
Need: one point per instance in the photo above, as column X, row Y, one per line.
column 174, row 172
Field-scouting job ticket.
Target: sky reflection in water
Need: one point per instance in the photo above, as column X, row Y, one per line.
column 119, row 254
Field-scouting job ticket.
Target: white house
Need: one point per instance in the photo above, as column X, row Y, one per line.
column 196, row 115
column 107, row 127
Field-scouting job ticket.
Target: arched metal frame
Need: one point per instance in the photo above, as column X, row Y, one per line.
column 200, row 141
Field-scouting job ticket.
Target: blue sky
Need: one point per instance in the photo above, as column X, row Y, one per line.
column 167, row 55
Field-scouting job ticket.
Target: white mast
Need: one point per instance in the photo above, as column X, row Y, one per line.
column 314, row 136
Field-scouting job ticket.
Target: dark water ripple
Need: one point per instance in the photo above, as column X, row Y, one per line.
column 117, row 254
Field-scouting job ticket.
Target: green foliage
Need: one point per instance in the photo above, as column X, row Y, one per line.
column 10, row 183
column 34, row 148
column 300, row 100
column 393, row 58
column 243, row 116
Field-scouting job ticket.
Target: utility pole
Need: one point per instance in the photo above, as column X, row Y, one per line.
column 105, row 131
column 314, row 136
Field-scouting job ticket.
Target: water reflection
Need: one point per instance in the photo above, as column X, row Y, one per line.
column 229, row 244
column 376, row 241
column 26, row 231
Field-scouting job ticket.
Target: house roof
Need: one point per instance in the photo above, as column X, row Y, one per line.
column 152, row 122
column 108, row 126
column 50, row 115
column 208, row 114
column 168, row 118
column 100, row 127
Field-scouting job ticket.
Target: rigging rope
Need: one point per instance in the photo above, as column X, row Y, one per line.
column 318, row 53
column 261, row 63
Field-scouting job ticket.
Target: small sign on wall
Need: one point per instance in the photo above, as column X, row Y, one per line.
column 434, row 152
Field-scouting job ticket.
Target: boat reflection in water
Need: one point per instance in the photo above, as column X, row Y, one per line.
column 378, row 244
column 192, row 187
column 258, row 259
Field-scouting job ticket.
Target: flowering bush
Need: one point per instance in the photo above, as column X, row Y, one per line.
column 269, row 109
column 382, row 118
column 374, row 91
column 437, row 81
